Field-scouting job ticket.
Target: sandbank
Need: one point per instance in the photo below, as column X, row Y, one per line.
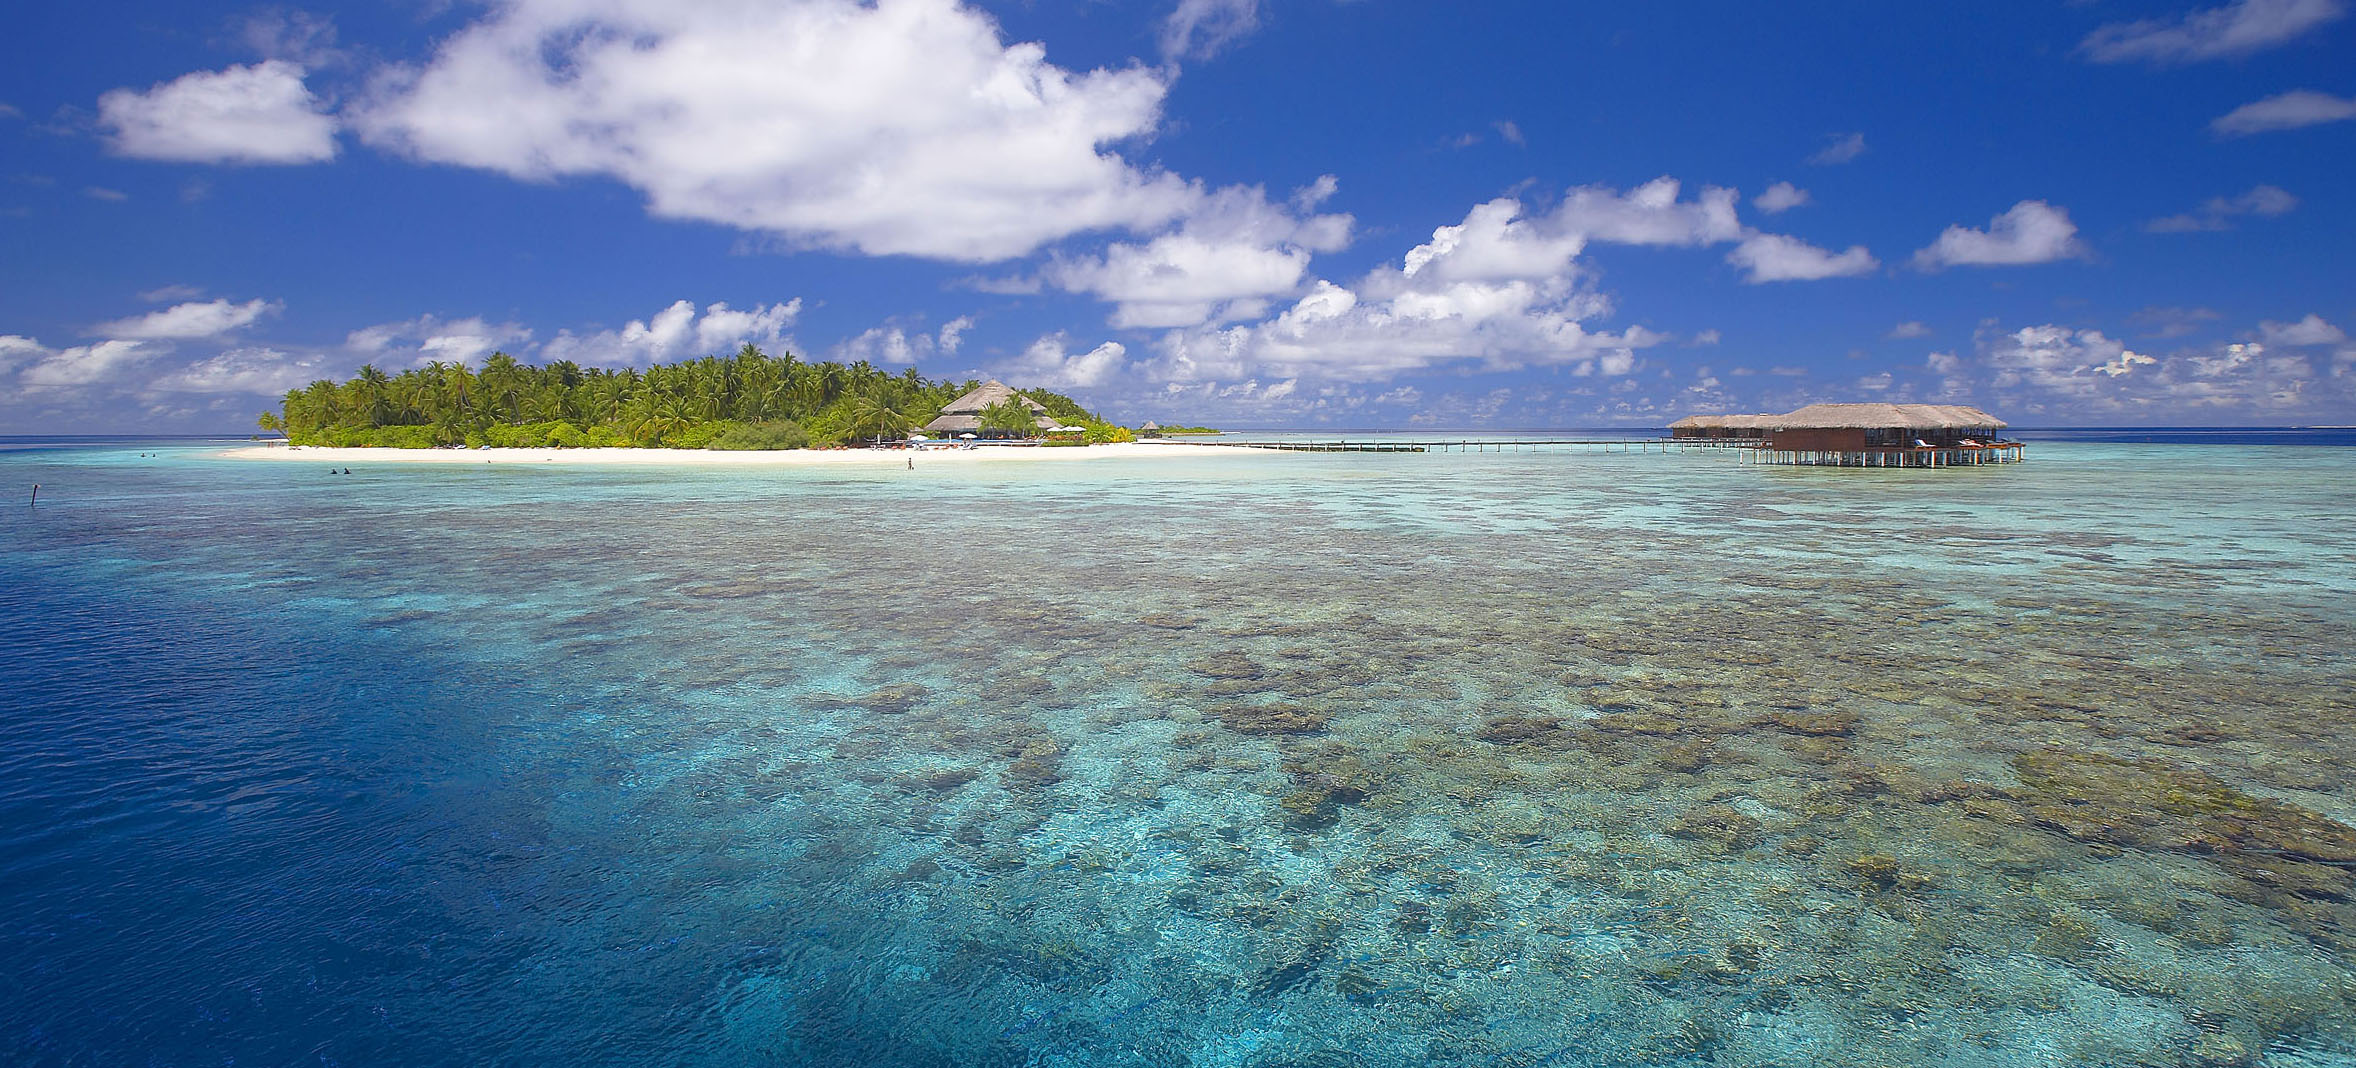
column 773, row 458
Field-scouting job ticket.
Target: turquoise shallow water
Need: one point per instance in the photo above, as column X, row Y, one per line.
column 1519, row 759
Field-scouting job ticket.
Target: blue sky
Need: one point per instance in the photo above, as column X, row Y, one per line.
column 1258, row 213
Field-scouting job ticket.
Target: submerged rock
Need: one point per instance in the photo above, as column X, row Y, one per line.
column 1722, row 826
column 1226, row 665
column 1273, row 719
column 2149, row 804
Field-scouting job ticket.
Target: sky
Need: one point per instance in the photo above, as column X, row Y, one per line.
column 1246, row 213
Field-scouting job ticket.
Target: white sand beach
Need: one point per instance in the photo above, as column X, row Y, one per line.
column 775, row 458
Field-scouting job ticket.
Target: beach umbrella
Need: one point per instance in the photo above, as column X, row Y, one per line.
column 969, row 437
column 918, row 437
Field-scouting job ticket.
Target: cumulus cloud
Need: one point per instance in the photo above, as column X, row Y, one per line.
column 1839, row 149
column 1777, row 258
column 2237, row 29
column 892, row 343
column 431, row 339
column 897, row 127
column 245, row 114
column 679, row 331
column 195, row 319
column 1780, row 197
column 953, row 333
column 2060, row 371
column 2031, row 231
column 1199, row 29
column 263, row 371
column 1231, row 255
column 83, row 365
column 2284, row 111
column 2218, row 213
column 1505, row 288
column 1048, row 363
column 2312, row 330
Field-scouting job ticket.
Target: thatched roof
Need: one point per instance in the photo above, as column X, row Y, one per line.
column 1884, row 417
column 1730, row 422
column 985, row 395
column 1150, row 425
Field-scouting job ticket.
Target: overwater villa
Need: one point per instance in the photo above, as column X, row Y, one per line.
column 1865, row 435
column 963, row 416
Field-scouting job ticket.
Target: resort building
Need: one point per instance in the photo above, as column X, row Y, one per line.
column 964, row 415
column 1151, row 429
column 1862, row 435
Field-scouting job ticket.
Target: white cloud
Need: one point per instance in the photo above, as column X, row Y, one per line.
column 2284, row 111
column 1233, row 252
column 2058, row 371
column 1839, row 149
column 953, row 334
column 1908, row 329
column 2218, row 213
column 897, row 127
column 1780, row 197
column 1199, row 29
column 16, row 350
column 1510, row 130
column 2312, row 330
column 897, row 345
column 86, row 364
column 195, row 319
column 2031, row 231
column 100, row 192
column 255, row 370
column 1047, row 364
column 428, row 339
column 1777, row 258
column 246, row 114
column 678, row 332
column 2237, row 29
column 1504, row 288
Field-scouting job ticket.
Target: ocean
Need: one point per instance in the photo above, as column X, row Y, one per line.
column 1554, row 758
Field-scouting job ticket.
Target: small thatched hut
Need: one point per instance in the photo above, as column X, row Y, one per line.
column 1151, row 429
column 964, row 415
column 1719, row 427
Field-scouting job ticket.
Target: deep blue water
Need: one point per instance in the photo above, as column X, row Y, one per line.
column 1312, row 760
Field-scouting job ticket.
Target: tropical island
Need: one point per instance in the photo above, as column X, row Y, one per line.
column 748, row 400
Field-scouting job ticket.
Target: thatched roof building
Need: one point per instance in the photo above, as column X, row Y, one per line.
column 1864, row 435
column 964, row 415
column 1916, row 417
column 1151, row 429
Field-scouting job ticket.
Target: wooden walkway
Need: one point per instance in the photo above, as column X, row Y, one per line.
column 1481, row 445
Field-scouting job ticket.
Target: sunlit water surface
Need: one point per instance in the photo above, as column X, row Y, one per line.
column 1464, row 759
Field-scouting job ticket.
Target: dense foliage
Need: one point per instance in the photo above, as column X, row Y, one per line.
column 748, row 400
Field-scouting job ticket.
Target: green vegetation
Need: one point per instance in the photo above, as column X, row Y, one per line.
column 1010, row 416
column 1191, row 430
column 747, row 400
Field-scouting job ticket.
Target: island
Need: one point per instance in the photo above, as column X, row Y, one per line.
column 747, row 400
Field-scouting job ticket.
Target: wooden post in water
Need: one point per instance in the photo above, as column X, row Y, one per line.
column 36, row 493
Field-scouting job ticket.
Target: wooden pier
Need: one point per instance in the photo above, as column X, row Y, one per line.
column 1483, row 445
column 1998, row 452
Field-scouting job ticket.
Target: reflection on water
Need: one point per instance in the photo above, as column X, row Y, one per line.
column 1310, row 760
